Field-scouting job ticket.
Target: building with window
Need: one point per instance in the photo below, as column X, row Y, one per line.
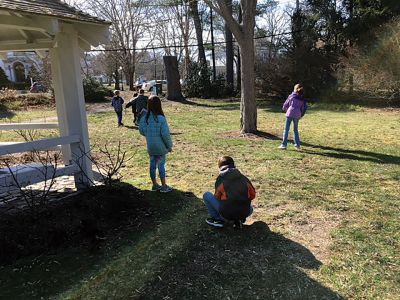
column 18, row 65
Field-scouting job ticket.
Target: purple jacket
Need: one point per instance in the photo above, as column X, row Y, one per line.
column 294, row 106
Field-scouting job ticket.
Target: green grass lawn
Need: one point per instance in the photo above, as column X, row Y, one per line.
column 326, row 223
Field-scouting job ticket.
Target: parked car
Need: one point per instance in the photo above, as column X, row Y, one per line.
column 37, row 87
column 148, row 86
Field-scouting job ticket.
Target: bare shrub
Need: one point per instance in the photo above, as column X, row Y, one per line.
column 376, row 71
column 107, row 161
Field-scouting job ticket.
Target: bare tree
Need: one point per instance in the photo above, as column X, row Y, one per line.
column 244, row 34
column 128, row 26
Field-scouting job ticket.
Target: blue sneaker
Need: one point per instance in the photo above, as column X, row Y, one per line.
column 156, row 187
column 165, row 189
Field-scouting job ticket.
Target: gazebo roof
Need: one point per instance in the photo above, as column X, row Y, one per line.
column 27, row 25
column 51, row 8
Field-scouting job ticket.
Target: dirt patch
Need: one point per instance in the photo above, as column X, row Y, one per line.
column 84, row 220
column 311, row 228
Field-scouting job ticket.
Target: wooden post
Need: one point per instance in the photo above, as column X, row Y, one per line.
column 70, row 100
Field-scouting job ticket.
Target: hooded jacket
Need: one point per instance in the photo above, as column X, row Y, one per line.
column 235, row 192
column 294, row 106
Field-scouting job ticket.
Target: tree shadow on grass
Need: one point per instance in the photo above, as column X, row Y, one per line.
column 253, row 263
column 101, row 233
column 5, row 113
column 352, row 154
column 225, row 105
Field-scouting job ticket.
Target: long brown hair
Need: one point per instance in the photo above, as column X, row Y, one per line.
column 154, row 106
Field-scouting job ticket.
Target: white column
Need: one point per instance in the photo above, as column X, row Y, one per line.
column 68, row 89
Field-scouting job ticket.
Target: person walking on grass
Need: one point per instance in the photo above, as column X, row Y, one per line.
column 138, row 104
column 153, row 125
column 117, row 103
column 132, row 103
column 295, row 107
column 232, row 198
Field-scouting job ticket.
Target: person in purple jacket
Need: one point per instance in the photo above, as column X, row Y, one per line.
column 295, row 106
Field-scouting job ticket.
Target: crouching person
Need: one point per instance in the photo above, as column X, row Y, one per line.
column 232, row 198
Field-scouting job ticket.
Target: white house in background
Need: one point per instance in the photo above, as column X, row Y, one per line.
column 17, row 65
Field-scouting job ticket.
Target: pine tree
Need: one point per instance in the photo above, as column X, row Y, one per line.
column 3, row 78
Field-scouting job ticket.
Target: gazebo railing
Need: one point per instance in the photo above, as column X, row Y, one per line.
column 27, row 126
column 32, row 173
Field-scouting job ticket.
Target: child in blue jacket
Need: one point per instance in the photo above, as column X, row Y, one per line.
column 117, row 102
column 155, row 128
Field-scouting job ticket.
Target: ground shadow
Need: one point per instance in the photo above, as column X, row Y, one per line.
column 99, row 237
column 352, row 154
column 252, row 263
column 267, row 135
column 224, row 104
column 5, row 113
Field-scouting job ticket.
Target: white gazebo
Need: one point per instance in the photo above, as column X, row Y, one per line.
column 51, row 25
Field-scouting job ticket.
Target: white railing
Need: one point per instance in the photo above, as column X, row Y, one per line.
column 27, row 126
column 33, row 173
column 38, row 145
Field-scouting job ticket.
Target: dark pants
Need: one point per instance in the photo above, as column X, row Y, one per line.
column 119, row 116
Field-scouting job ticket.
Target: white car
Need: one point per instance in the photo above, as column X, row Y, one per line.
column 148, row 86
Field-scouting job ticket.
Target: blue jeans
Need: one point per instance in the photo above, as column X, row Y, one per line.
column 296, row 131
column 157, row 161
column 119, row 116
column 213, row 205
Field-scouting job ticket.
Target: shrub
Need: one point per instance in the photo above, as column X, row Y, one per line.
column 197, row 81
column 11, row 100
column 376, row 70
column 3, row 78
column 94, row 90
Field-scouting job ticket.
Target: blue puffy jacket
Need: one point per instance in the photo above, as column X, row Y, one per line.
column 157, row 134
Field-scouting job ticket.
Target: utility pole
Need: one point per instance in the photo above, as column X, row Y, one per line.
column 213, row 46
column 155, row 65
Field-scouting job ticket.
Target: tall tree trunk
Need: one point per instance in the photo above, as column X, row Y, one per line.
column 194, row 12
column 213, row 45
column 174, row 89
column 239, row 71
column 229, row 52
column 239, row 61
column 244, row 34
column 116, row 77
column 248, row 105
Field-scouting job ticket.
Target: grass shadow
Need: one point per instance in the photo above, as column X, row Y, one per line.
column 5, row 113
column 57, row 269
column 360, row 155
column 253, row 263
column 224, row 104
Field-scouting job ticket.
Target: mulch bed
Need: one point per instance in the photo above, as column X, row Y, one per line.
column 85, row 220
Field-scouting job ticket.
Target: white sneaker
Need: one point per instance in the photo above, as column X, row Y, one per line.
column 297, row 146
column 282, row 147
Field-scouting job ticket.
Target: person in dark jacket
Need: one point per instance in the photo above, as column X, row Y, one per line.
column 117, row 103
column 295, row 107
column 132, row 103
column 232, row 197
column 139, row 104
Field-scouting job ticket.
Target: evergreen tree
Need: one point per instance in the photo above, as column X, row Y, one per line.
column 3, row 78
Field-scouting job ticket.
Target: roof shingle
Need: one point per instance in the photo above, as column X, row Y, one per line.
column 55, row 8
